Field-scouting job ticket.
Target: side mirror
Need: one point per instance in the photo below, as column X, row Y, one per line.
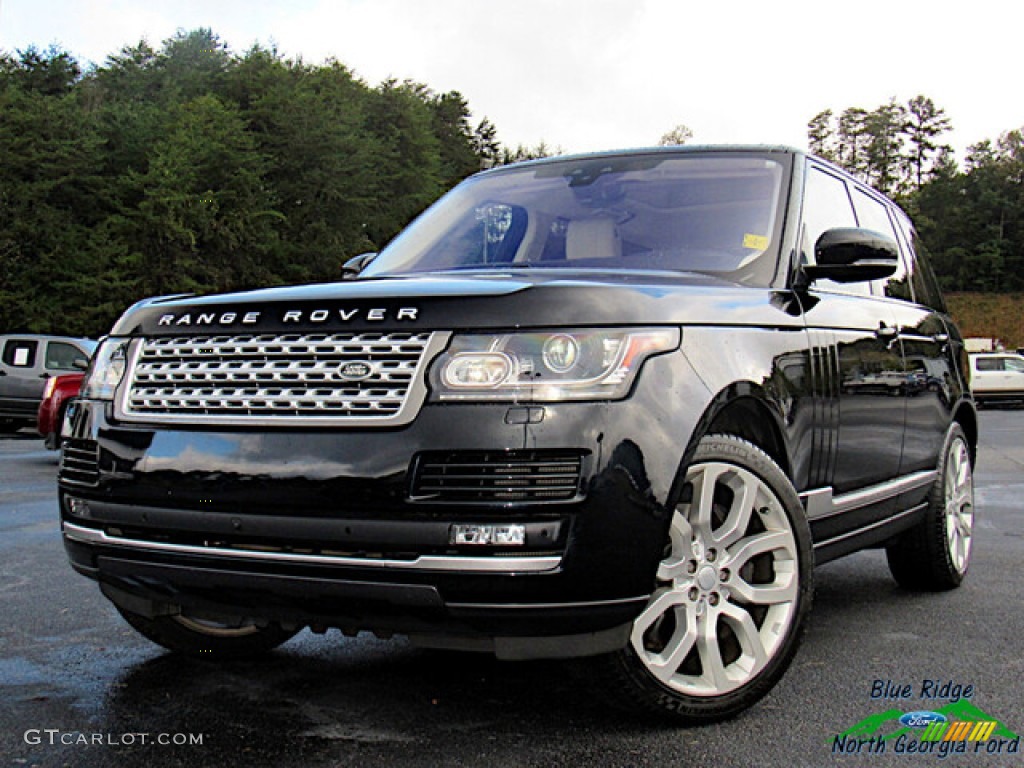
column 853, row 255
column 80, row 363
column 356, row 264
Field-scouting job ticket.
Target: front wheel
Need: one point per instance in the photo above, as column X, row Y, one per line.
column 241, row 638
column 935, row 554
column 732, row 591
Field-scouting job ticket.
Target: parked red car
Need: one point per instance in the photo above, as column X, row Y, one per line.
column 58, row 393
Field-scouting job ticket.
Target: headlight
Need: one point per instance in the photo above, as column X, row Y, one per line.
column 583, row 364
column 106, row 370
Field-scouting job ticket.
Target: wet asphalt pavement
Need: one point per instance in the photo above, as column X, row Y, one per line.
column 79, row 688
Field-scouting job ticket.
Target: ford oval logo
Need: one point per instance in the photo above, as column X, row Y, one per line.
column 922, row 719
column 355, row 370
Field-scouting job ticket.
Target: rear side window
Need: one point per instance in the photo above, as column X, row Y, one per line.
column 874, row 214
column 20, row 353
column 922, row 278
column 988, row 363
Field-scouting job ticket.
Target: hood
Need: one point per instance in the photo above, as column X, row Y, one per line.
column 479, row 301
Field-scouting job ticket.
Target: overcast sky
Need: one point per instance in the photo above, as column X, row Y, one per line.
column 601, row 74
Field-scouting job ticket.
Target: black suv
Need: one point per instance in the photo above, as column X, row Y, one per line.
column 614, row 406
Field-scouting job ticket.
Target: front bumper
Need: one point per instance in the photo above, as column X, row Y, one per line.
column 322, row 526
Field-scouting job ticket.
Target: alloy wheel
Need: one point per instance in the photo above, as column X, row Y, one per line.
column 727, row 587
column 959, row 504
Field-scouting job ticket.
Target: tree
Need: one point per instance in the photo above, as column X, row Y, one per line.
column 853, row 140
column 925, row 122
column 522, row 153
column 410, row 175
column 50, row 187
column 884, row 132
column 455, row 136
column 892, row 147
column 677, row 136
column 51, row 73
column 193, row 63
column 486, row 144
column 323, row 163
column 203, row 194
column 821, row 137
column 974, row 220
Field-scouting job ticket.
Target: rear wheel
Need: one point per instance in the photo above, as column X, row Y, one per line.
column 226, row 639
column 732, row 591
column 936, row 554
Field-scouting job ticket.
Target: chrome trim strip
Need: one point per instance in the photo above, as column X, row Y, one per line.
column 414, row 399
column 817, row 503
column 820, row 503
column 422, row 563
column 528, row 606
column 873, row 526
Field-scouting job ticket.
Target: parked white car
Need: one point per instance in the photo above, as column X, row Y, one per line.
column 997, row 376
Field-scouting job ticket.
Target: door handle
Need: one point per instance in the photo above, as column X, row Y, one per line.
column 44, row 375
column 884, row 331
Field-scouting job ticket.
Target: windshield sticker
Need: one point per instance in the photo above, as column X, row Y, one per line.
column 757, row 242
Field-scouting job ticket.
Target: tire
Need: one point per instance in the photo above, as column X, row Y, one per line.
column 51, row 440
column 209, row 639
column 732, row 592
column 936, row 553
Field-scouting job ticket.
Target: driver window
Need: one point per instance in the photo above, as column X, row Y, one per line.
column 62, row 357
column 826, row 205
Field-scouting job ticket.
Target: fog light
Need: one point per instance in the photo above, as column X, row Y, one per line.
column 488, row 535
column 79, row 507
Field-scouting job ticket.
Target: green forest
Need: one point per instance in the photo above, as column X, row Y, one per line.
column 192, row 168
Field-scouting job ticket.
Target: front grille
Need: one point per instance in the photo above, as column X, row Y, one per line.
column 498, row 476
column 80, row 462
column 299, row 378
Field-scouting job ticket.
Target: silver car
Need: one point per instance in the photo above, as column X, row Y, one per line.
column 26, row 362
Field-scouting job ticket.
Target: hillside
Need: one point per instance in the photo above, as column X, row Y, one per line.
column 990, row 315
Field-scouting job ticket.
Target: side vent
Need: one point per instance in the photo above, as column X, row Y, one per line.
column 80, row 462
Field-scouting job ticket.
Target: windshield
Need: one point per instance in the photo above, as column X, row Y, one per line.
column 712, row 213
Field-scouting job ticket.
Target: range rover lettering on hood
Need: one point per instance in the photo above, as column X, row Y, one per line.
column 342, row 314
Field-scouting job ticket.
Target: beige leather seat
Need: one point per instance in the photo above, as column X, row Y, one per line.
column 596, row 238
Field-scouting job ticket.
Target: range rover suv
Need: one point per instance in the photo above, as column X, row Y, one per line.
column 613, row 406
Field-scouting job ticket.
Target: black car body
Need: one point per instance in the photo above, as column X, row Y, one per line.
column 508, row 432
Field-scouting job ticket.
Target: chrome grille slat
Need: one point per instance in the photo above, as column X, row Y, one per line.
column 278, row 378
